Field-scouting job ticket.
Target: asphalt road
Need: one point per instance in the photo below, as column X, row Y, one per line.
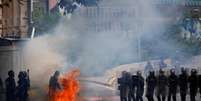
column 97, row 92
column 89, row 92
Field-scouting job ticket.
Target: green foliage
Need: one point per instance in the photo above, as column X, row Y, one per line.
column 45, row 22
column 38, row 13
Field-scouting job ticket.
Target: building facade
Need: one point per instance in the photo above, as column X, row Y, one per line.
column 15, row 24
column 15, row 18
column 109, row 16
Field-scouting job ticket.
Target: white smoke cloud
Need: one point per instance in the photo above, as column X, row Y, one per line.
column 69, row 45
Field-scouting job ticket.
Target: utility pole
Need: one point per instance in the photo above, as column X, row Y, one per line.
column 139, row 30
column 29, row 11
column 139, row 46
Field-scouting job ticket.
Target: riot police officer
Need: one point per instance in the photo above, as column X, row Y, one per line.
column 199, row 82
column 129, row 88
column 193, row 83
column 151, row 84
column 183, row 84
column 23, row 86
column 172, row 85
column 161, row 86
column 54, row 85
column 140, row 87
column 123, row 86
column 10, row 87
column 1, row 85
column 134, row 87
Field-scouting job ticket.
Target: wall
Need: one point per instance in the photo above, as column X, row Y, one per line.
column 11, row 58
column 14, row 18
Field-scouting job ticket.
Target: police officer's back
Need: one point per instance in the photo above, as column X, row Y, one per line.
column 199, row 82
column 128, row 85
column 161, row 90
column 23, row 86
column 123, row 85
column 193, row 84
column 10, row 87
column 1, row 85
column 54, row 85
column 1, row 88
column 151, row 84
column 140, row 87
column 172, row 85
column 134, row 86
column 54, row 81
column 183, row 84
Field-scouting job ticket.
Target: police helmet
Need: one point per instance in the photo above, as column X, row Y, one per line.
column 193, row 71
column 139, row 73
column 11, row 73
column 172, row 71
column 161, row 71
column 183, row 70
column 151, row 73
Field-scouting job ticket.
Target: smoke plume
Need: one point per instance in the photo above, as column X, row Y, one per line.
column 70, row 45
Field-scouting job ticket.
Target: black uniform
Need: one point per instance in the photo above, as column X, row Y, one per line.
column 161, row 90
column 151, row 84
column 123, row 86
column 183, row 85
column 1, row 88
column 193, row 83
column 172, row 85
column 1, row 85
column 10, row 87
column 23, row 86
column 129, row 89
column 134, row 87
column 54, row 85
column 199, row 82
column 140, row 88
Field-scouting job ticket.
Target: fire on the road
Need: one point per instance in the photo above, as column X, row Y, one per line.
column 70, row 86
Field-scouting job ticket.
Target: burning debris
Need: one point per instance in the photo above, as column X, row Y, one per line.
column 68, row 87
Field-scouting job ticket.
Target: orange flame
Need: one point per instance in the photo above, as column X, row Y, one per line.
column 70, row 87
